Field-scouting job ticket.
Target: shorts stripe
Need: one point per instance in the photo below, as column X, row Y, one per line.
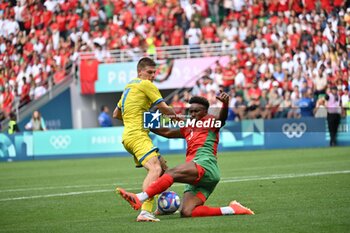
column 201, row 196
column 201, row 172
column 149, row 152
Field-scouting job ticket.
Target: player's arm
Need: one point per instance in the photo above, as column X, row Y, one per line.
column 168, row 111
column 168, row 133
column 156, row 98
column 224, row 98
column 117, row 113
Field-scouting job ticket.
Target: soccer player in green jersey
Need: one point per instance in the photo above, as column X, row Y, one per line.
column 200, row 171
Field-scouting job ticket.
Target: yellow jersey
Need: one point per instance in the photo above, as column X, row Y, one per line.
column 138, row 97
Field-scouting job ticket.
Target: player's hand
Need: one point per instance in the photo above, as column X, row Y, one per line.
column 223, row 97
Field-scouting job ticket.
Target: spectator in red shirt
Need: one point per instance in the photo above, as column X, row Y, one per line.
column 37, row 17
column 47, row 17
column 159, row 19
column 254, row 91
column 178, row 106
column 25, row 98
column 255, row 8
column 177, row 36
column 208, row 31
column 249, row 73
column 228, row 76
column 8, row 98
column 66, row 6
column 62, row 21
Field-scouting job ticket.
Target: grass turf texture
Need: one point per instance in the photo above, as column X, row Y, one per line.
column 78, row 195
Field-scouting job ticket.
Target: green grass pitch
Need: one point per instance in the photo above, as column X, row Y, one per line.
column 289, row 190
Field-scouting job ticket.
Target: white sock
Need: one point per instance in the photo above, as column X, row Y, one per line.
column 227, row 210
column 142, row 196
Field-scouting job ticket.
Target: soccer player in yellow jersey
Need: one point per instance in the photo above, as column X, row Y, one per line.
column 139, row 95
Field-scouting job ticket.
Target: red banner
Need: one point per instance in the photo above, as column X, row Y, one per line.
column 88, row 76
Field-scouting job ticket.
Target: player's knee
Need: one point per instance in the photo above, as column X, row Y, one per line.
column 156, row 168
column 186, row 212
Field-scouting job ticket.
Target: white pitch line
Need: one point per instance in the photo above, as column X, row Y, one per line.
column 224, row 180
column 56, row 195
column 57, row 187
column 284, row 176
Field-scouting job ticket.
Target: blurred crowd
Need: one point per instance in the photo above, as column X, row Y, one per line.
column 299, row 48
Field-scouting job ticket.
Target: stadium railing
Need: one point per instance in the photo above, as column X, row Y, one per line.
column 52, row 91
column 165, row 52
column 160, row 53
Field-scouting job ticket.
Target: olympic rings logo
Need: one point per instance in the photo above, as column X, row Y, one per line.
column 294, row 129
column 60, row 141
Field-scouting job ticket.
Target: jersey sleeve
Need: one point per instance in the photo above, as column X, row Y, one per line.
column 119, row 104
column 151, row 91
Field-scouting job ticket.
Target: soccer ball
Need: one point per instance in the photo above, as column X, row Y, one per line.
column 168, row 202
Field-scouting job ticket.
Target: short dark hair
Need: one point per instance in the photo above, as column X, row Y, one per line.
column 13, row 116
column 145, row 61
column 200, row 100
column 103, row 108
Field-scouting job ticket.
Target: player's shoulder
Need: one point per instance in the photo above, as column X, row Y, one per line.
column 147, row 85
column 146, row 82
column 134, row 81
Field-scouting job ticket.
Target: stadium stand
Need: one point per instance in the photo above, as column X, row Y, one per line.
column 285, row 54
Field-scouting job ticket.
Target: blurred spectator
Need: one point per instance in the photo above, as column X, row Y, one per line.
column 25, row 90
column 227, row 78
column 253, row 108
column 39, row 89
column 177, row 36
column 36, row 123
column 186, row 98
column 194, row 36
column 211, row 86
column 208, row 31
column 320, row 80
column 333, row 116
column 178, row 105
column 264, row 105
column 12, row 125
column 320, row 110
column 279, row 75
column 213, row 6
column 274, row 101
column 240, row 108
column 217, row 75
column 215, row 105
column 104, row 118
column 345, row 101
column 7, row 100
column 306, row 104
column 196, row 90
column 285, row 107
column 253, row 92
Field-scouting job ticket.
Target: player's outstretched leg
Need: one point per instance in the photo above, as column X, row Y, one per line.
column 240, row 209
column 131, row 198
column 234, row 208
